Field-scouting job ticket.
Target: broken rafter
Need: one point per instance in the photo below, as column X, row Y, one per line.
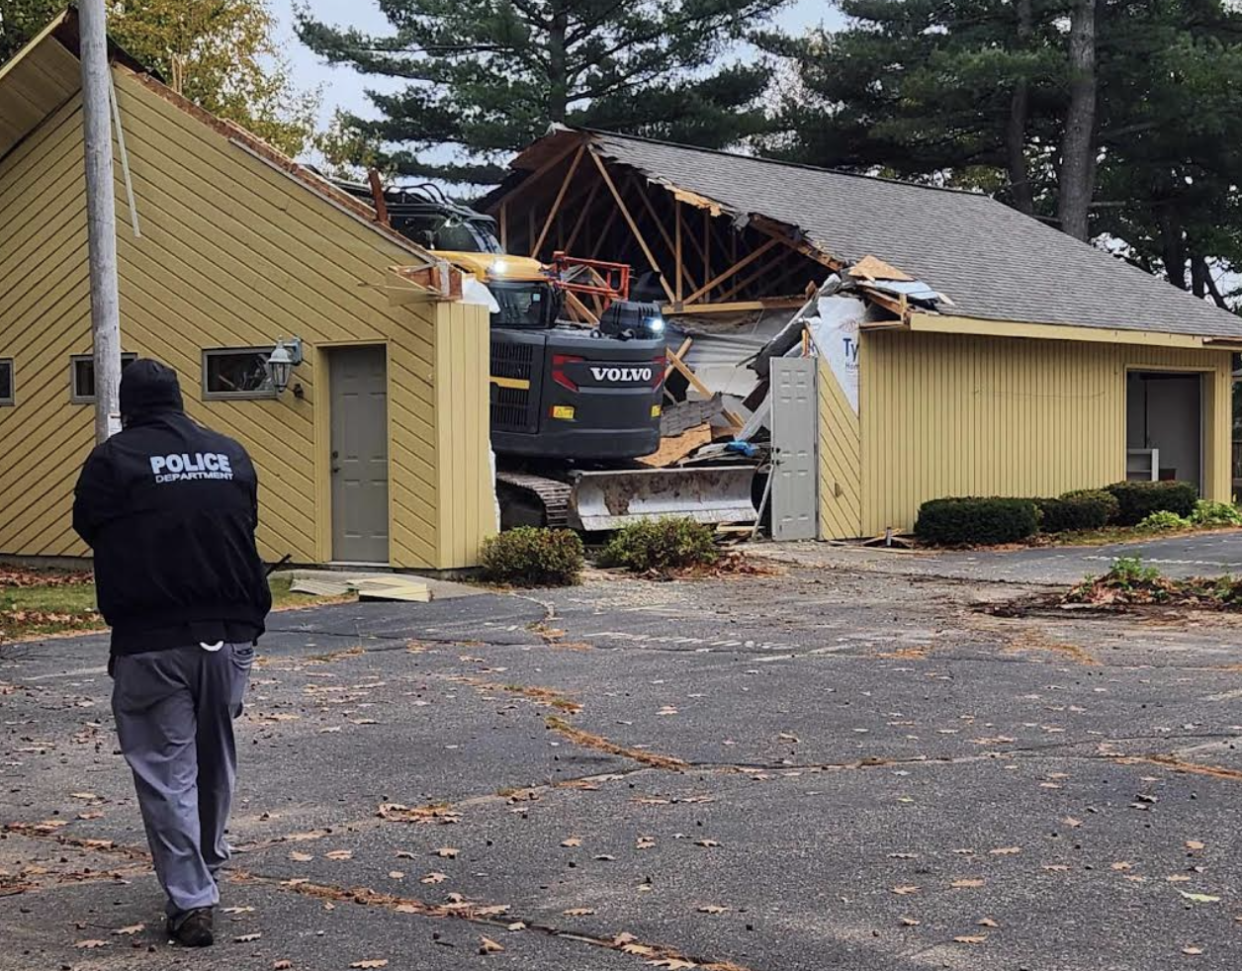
column 556, row 203
column 699, row 386
column 739, row 265
column 673, row 248
column 625, row 212
column 582, row 217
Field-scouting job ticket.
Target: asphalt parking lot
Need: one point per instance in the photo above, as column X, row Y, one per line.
column 830, row 766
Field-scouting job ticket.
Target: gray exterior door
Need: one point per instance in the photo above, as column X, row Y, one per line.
column 358, row 381
column 795, row 431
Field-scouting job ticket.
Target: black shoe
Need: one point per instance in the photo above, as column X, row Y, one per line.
column 192, row 929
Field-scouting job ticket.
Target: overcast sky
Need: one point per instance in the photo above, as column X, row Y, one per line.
column 343, row 88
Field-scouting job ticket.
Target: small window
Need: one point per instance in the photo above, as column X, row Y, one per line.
column 237, row 372
column 82, row 376
column 6, row 381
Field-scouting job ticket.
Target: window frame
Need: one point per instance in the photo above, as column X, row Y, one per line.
column 268, row 393
column 127, row 357
column 9, row 400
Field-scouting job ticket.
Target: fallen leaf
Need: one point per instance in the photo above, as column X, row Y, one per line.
column 517, row 925
column 1007, row 851
column 371, row 963
column 905, row 890
column 572, row 841
column 488, row 946
column 578, row 912
column 988, row 922
column 910, row 922
column 1071, row 822
column 970, row 939
column 238, row 910
column 1192, row 950
column 1056, row 867
column 1178, row 878
column 673, row 964
column 88, row 796
column 1195, row 845
column 281, row 965
column 1122, row 865
column 131, row 929
column 340, row 855
column 434, row 878
column 966, row 884
column 642, row 950
column 707, row 843
column 298, row 857
column 605, row 858
column 246, row 938
column 90, row 945
column 396, row 875
column 713, row 909
column 1200, row 898
column 645, row 843
column 787, row 737
column 447, row 852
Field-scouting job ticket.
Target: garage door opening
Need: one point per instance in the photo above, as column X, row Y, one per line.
column 1164, row 426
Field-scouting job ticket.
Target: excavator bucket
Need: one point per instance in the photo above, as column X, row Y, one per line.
column 612, row 499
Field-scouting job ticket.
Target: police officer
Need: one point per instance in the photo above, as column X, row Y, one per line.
column 170, row 509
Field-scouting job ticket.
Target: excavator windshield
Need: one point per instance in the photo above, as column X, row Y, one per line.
column 527, row 304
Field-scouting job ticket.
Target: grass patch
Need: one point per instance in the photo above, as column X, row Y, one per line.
column 38, row 603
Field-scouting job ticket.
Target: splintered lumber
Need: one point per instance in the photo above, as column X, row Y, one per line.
column 677, row 447
column 699, row 386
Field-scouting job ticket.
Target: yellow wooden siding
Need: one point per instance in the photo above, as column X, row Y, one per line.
column 463, row 348
column 840, row 461
column 233, row 253
column 951, row 415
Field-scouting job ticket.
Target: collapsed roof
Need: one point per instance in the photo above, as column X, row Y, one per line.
column 983, row 259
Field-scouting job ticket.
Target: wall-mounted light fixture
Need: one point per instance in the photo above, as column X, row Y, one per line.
column 280, row 363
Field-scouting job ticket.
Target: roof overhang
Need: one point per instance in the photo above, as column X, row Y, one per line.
column 945, row 324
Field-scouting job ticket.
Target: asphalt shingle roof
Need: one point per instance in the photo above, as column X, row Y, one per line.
column 993, row 262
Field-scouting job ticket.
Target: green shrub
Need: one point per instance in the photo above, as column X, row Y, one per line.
column 976, row 522
column 1081, row 509
column 530, row 556
column 1208, row 513
column 662, row 544
column 1138, row 500
column 1164, row 520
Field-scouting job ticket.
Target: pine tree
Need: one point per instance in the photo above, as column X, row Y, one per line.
column 221, row 54
column 1128, row 130
column 488, row 76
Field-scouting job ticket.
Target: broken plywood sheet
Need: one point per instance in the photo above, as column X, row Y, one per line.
column 393, row 588
column 874, row 268
column 677, row 447
column 320, row 586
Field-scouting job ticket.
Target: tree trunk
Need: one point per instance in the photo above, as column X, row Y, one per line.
column 1172, row 247
column 1212, row 289
column 1198, row 276
column 1077, row 177
column 1015, row 134
column 558, row 86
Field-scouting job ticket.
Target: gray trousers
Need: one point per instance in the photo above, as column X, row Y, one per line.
column 174, row 714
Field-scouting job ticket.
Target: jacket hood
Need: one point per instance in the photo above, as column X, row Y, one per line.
column 149, row 388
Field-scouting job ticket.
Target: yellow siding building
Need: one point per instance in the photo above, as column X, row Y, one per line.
column 964, row 414
column 238, row 248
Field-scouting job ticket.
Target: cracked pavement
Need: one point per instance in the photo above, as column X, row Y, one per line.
column 843, row 765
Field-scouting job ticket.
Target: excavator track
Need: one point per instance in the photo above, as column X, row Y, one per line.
column 551, row 494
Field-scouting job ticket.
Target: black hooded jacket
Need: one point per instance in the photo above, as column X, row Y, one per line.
column 170, row 509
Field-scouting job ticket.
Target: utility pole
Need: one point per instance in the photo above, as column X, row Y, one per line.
column 100, row 215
